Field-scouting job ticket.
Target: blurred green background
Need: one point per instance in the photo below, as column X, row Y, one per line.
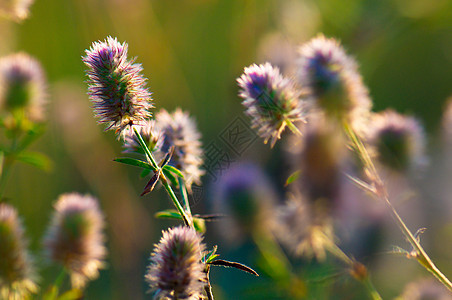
column 192, row 52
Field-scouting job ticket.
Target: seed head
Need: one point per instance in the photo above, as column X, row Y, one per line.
column 75, row 239
column 116, row 87
column 397, row 140
column 176, row 270
column 331, row 79
column 16, row 270
column 22, row 86
column 178, row 129
column 149, row 134
column 270, row 100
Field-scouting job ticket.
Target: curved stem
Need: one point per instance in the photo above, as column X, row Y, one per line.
column 379, row 191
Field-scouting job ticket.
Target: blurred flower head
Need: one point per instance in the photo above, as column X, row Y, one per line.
column 16, row 270
column 398, row 141
column 330, row 78
column 17, row 10
column 176, row 270
column 425, row 289
column 246, row 196
column 75, row 239
column 178, row 129
column 271, row 101
column 22, row 86
column 116, row 87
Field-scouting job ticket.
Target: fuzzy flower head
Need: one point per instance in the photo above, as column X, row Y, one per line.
column 425, row 289
column 17, row 10
column 16, row 272
column 116, row 87
column 176, row 270
column 270, row 100
column 331, row 79
column 397, row 140
column 22, row 86
column 75, row 239
column 178, row 129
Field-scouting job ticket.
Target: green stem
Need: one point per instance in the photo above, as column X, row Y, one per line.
column 187, row 220
column 60, row 278
column 381, row 193
column 183, row 192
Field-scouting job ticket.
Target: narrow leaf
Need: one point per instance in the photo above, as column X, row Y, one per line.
column 145, row 173
column 35, row 159
column 51, row 293
column 134, row 162
column 168, row 214
column 294, row 176
column 170, row 176
column 151, row 184
column 230, row 264
column 173, row 170
column 208, row 257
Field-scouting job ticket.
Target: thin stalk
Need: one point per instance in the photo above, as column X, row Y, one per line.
column 183, row 192
column 187, row 220
column 381, row 193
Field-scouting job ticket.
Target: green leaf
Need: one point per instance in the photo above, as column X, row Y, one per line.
column 294, row 176
column 170, row 176
column 231, row 264
column 173, row 170
column 32, row 135
column 199, row 224
column 151, row 184
column 207, row 258
column 51, row 293
column 145, row 173
column 73, row 294
column 168, row 214
column 134, row 162
column 36, row 159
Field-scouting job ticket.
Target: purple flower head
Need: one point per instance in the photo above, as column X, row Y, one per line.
column 331, row 78
column 398, row 141
column 22, row 86
column 270, row 100
column 116, row 87
column 75, row 238
column 16, row 270
column 176, row 270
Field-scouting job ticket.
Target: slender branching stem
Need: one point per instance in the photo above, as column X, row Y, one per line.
column 186, row 218
column 379, row 191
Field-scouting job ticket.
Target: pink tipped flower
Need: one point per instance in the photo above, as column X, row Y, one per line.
column 270, row 100
column 16, row 270
column 331, row 78
column 22, row 86
column 75, row 237
column 176, row 270
column 116, row 87
column 397, row 140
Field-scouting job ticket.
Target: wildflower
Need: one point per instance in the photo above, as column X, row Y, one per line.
column 331, row 78
column 397, row 140
column 75, row 237
column 270, row 100
column 246, row 196
column 116, row 87
column 22, row 86
column 179, row 130
column 176, row 270
column 16, row 270
column 18, row 10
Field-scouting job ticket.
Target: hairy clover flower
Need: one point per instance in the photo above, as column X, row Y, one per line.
column 75, row 237
column 116, row 87
column 176, row 270
column 270, row 100
column 16, row 270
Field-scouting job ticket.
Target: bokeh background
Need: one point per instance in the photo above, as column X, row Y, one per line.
column 192, row 51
